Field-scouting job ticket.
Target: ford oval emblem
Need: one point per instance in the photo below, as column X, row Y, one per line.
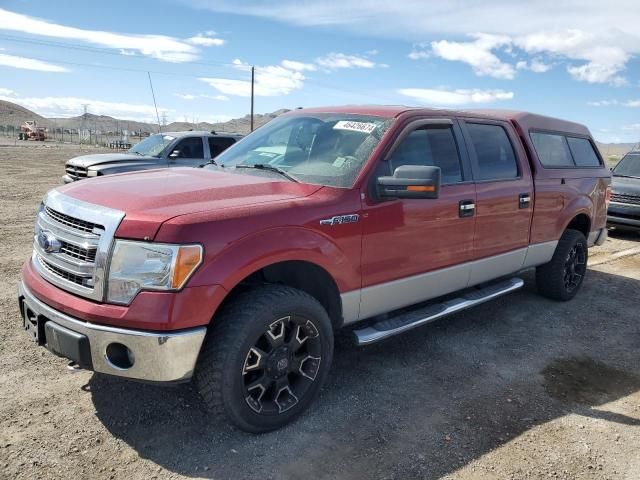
column 48, row 242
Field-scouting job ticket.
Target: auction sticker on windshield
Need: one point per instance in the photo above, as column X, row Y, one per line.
column 364, row 127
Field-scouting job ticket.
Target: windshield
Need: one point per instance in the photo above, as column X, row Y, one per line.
column 153, row 145
column 325, row 148
column 629, row 166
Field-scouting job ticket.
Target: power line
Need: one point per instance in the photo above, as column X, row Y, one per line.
column 104, row 50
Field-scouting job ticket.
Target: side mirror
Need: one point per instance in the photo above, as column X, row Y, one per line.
column 411, row 181
column 174, row 154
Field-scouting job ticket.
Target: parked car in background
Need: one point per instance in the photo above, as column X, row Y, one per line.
column 239, row 273
column 624, row 209
column 170, row 149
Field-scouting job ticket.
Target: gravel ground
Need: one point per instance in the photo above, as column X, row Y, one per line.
column 522, row 387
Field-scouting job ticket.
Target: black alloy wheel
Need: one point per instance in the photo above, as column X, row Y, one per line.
column 282, row 365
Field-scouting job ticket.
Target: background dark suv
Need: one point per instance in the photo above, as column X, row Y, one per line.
column 624, row 209
column 170, row 149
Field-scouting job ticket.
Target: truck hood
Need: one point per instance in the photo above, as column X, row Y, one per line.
column 153, row 197
column 99, row 158
column 625, row 185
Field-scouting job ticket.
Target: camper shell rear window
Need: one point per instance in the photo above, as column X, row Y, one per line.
column 560, row 150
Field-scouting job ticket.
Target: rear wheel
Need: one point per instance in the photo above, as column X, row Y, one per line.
column 265, row 358
column 562, row 277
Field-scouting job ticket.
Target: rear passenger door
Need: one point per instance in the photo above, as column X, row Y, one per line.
column 188, row 152
column 504, row 198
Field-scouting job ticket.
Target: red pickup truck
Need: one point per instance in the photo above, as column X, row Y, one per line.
column 238, row 273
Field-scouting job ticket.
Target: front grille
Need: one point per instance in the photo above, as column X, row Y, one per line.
column 66, row 275
column 85, row 254
column 625, row 198
column 76, row 172
column 72, row 222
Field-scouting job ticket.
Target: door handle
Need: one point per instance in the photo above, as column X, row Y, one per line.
column 467, row 208
column 524, row 200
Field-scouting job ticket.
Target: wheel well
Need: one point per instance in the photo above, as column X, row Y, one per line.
column 582, row 223
column 305, row 276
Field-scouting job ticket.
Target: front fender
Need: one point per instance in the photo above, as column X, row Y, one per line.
column 238, row 260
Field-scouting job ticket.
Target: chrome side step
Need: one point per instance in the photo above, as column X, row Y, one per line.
column 414, row 318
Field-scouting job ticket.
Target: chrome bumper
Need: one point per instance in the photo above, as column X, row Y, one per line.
column 157, row 357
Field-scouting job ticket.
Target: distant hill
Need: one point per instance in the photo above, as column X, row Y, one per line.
column 14, row 114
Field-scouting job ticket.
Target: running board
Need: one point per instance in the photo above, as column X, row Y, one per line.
column 414, row 318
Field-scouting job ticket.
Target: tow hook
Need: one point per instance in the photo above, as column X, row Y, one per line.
column 73, row 367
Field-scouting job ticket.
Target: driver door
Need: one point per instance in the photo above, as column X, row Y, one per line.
column 417, row 249
column 188, row 152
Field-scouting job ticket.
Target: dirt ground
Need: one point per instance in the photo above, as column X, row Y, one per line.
column 519, row 388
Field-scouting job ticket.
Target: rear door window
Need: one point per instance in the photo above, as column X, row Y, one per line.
column 583, row 153
column 217, row 145
column 495, row 157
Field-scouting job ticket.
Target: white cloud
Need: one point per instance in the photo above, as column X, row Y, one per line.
column 478, row 54
column 596, row 37
column 6, row 92
column 190, row 96
column 448, row 97
column 603, row 59
column 610, row 103
column 270, row 81
column 298, row 66
column 634, row 127
column 535, row 65
column 418, row 54
column 334, row 61
column 29, row 64
column 161, row 47
column 206, row 40
column 72, row 106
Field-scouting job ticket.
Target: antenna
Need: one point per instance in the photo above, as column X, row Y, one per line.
column 154, row 103
column 253, row 71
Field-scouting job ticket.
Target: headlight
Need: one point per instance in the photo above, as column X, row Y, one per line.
column 139, row 266
column 92, row 173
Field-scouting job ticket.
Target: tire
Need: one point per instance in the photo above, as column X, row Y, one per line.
column 265, row 358
column 562, row 277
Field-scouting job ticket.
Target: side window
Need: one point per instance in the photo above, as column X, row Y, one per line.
column 217, row 145
column 431, row 147
column 552, row 150
column 191, row 148
column 494, row 152
column 583, row 153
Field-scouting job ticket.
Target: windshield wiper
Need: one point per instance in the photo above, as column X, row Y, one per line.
column 211, row 161
column 270, row 168
column 625, row 176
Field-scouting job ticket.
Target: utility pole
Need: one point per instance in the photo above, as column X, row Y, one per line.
column 253, row 72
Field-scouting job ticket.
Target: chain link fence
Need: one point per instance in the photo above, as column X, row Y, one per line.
column 115, row 138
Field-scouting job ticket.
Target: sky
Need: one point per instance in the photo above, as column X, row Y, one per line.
column 578, row 60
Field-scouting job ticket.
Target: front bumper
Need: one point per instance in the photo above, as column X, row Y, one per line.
column 155, row 356
column 68, row 178
column 623, row 215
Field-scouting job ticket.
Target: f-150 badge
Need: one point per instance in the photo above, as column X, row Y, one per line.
column 340, row 219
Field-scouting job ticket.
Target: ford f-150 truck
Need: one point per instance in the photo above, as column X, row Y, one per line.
column 377, row 218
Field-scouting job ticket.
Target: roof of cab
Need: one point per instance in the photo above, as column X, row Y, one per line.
column 526, row 120
column 202, row 133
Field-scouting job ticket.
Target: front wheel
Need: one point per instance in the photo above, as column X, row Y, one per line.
column 265, row 357
column 562, row 277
